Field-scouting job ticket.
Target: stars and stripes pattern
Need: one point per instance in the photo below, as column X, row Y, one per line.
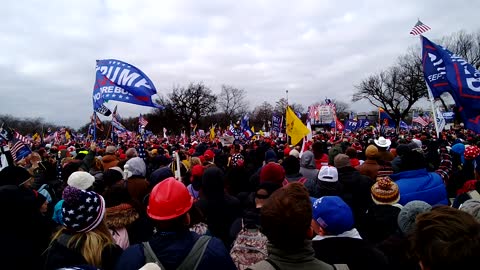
column 19, row 150
column 419, row 28
column 141, row 148
column 142, row 121
column 22, row 138
column 420, row 120
column 59, row 169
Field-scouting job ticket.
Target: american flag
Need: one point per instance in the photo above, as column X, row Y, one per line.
column 420, row 120
column 59, row 169
column 20, row 150
column 419, row 28
column 142, row 121
column 22, row 138
column 141, row 148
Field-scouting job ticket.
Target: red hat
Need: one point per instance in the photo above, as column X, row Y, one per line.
column 357, row 146
column 272, row 172
column 471, row 152
column 169, row 199
column 191, row 151
column 286, row 151
column 62, row 147
column 209, row 154
column 197, row 171
column 202, row 158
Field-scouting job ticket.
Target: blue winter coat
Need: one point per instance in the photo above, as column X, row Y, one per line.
column 172, row 248
column 421, row 185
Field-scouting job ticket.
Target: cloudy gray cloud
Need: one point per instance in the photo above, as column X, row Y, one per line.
column 313, row 48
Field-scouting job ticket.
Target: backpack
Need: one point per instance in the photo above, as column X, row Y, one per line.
column 301, row 180
column 474, row 194
column 249, row 247
column 190, row 262
column 268, row 264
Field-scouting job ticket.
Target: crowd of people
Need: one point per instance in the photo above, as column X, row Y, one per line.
column 404, row 200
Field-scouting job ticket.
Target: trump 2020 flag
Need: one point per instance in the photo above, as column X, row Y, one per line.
column 120, row 81
column 445, row 71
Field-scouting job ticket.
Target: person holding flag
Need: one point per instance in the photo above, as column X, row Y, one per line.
column 295, row 128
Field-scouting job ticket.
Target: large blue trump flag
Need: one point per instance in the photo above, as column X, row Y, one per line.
column 120, row 81
column 445, row 71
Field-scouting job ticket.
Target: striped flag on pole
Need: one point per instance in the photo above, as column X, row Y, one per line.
column 19, row 151
column 142, row 121
column 22, row 138
column 419, row 28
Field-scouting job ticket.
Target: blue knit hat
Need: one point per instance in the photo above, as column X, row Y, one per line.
column 82, row 210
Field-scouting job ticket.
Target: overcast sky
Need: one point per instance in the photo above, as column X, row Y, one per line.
column 313, row 48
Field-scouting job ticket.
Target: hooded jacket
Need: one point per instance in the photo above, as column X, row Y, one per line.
column 307, row 165
column 118, row 219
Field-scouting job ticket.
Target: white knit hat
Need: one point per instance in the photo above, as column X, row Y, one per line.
column 81, row 180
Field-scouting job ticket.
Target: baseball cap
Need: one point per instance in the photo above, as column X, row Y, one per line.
column 333, row 214
column 328, row 174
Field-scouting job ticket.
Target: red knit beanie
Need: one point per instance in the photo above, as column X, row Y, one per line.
column 272, row 172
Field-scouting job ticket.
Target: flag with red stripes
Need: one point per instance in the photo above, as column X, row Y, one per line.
column 419, row 28
column 142, row 121
column 22, row 138
column 19, row 150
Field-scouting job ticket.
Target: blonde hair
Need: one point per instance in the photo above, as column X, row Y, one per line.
column 90, row 244
column 195, row 161
column 97, row 164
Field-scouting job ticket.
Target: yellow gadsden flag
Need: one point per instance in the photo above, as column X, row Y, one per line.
column 212, row 133
column 295, row 128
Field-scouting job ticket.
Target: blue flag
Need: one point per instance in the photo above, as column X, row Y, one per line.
column 120, row 81
column 276, row 123
column 245, row 128
column 351, row 125
column 445, row 71
column 19, row 150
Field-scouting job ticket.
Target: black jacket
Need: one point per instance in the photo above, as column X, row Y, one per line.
column 220, row 214
column 356, row 190
column 356, row 253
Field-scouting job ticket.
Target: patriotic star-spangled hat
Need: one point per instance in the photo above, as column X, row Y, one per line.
column 82, row 210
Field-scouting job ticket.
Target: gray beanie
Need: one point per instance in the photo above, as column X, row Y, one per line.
column 408, row 214
column 135, row 166
column 472, row 207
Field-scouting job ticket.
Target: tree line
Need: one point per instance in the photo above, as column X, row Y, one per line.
column 398, row 87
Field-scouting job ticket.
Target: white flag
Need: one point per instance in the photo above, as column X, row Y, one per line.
column 440, row 121
column 309, row 135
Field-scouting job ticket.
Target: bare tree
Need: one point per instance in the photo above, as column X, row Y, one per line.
column 191, row 103
column 262, row 114
column 281, row 106
column 231, row 102
column 467, row 45
column 396, row 89
column 342, row 108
